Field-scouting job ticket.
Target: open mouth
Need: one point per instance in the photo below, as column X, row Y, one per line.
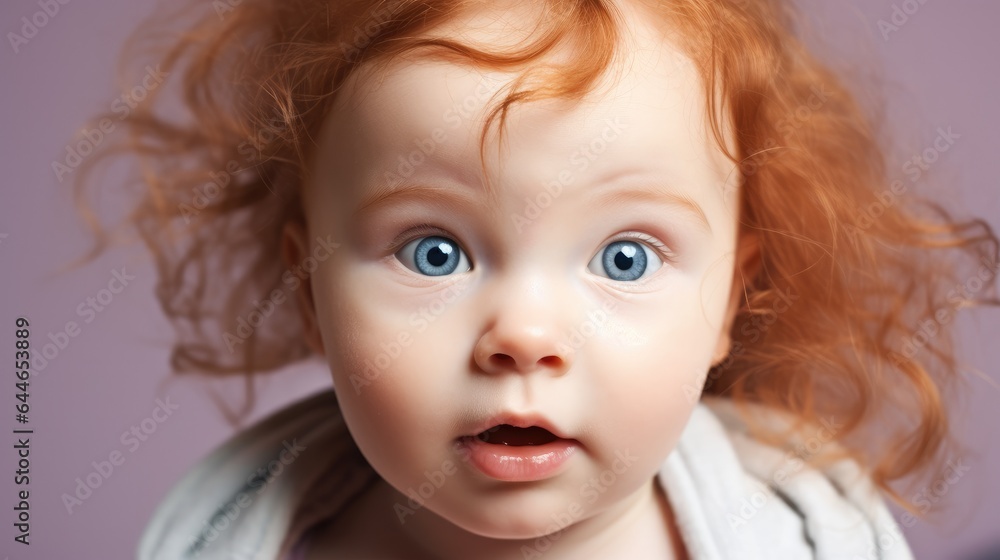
column 510, row 453
column 505, row 434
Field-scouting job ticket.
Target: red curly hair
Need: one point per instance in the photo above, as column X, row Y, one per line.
column 866, row 265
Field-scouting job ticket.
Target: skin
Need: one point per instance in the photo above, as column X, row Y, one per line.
column 503, row 330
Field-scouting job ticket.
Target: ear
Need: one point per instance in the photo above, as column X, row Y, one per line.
column 294, row 249
column 747, row 265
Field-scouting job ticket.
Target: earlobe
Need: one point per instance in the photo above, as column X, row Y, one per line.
column 747, row 266
column 294, row 248
column 748, row 255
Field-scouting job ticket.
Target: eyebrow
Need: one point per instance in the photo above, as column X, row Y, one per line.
column 605, row 196
column 385, row 195
column 656, row 196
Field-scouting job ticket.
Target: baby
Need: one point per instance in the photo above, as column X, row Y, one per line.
column 593, row 279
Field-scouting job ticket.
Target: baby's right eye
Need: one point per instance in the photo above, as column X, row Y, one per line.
column 433, row 256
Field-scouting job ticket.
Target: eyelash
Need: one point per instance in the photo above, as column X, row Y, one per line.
column 422, row 230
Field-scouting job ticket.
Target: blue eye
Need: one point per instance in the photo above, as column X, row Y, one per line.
column 625, row 261
column 433, row 256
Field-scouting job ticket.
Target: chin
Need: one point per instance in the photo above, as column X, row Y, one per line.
column 513, row 519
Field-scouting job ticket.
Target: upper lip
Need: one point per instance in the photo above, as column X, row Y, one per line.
column 519, row 420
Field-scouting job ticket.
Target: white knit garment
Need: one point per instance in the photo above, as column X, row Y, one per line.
column 733, row 496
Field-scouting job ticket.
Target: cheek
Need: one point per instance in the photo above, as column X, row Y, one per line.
column 659, row 374
column 392, row 369
column 656, row 348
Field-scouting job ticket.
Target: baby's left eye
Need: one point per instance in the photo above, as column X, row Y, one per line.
column 625, row 261
column 433, row 256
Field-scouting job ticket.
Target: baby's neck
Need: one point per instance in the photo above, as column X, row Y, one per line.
column 640, row 527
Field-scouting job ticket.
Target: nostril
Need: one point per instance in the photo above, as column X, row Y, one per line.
column 551, row 361
column 508, row 362
column 503, row 359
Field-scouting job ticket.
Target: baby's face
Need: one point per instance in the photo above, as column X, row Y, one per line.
column 589, row 298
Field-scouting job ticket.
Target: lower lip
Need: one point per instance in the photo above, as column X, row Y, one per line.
column 519, row 463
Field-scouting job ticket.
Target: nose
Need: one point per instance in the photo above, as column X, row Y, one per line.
column 524, row 335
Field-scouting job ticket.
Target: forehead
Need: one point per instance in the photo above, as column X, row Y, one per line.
column 646, row 113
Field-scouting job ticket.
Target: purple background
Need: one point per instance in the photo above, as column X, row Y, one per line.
column 937, row 73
